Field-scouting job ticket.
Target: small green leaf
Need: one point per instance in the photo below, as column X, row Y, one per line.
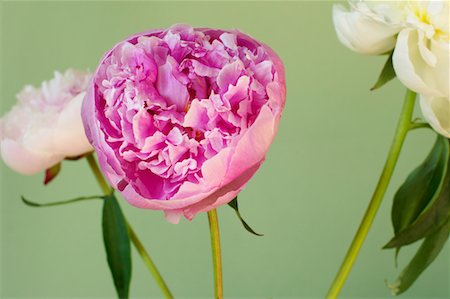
column 426, row 254
column 51, row 173
column 420, row 187
column 234, row 204
column 117, row 245
column 427, row 223
column 58, row 203
column 422, row 204
column 387, row 74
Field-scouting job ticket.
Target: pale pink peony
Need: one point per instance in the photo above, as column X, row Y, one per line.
column 45, row 126
column 182, row 118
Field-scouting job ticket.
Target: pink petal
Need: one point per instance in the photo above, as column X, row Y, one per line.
column 170, row 88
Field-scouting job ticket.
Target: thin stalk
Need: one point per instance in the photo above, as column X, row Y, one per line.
column 216, row 253
column 98, row 174
column 394, row 152
column 419, row 125
column 149, row 263
column 134, row 238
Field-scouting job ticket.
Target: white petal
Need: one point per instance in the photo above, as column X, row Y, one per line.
column 414, row 72
column 426, row 54
column 362, row 33
column 69, row 137
column 39, row 138
column 437, row 112
column 23, row 161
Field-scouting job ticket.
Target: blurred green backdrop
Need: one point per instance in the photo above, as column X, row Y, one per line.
column 308, row 197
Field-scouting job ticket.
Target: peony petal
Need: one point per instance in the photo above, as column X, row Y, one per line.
column 414, row 72
column 142, row 127
column 229, row 40
column 173, row 216
column 362, row 33
column 69, row 137
column 238, row 92
column 204, row 70
column 169, row 87
column 426, row 54
column 253, row 145
column 175, row 136
column 24, row 161
column 108, row 162
column 196, row 116
column 229, row 75
column 437, row 112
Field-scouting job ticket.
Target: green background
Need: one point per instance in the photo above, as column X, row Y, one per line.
column 308, row 197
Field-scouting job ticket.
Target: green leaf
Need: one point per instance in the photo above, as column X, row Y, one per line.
column 117, row 245
column 51, row 173
column 422, row 204
column 58, row 203
column 419, row 188
column 234, row 204
column 426, row 254
column 387, row 74
column 427, row 223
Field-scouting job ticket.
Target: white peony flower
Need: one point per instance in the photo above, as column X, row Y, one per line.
column 418, row 34
column 45, row 126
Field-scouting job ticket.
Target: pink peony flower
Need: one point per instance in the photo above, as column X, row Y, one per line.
column 45, row 126
column 182, row 118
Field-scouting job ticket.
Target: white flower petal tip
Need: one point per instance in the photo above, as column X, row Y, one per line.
column 437, row 112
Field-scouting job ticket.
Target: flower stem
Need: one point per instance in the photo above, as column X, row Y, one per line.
column 419, row 125
column 394, row 152
column 149, row 263
column 98, row 174
column 134, row 238
column 216, row 254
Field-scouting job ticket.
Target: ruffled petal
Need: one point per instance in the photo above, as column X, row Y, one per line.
column 169, row 87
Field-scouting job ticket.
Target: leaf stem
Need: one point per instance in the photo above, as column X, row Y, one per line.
column 216, row 254
column 403, row 126
column 134, row 238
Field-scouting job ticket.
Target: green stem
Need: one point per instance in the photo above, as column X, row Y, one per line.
column 419, row 125
column 394, row 152
column 136, row 242
column 98, row 174
column 149, row 263
column 216, row 254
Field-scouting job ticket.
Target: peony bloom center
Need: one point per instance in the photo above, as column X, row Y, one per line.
column 430, row 17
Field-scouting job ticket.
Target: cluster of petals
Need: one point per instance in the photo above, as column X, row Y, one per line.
column 418, row 34
column 45, row 125
column 182, row 118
